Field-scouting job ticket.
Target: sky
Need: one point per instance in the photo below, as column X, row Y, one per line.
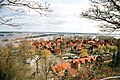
column 64, row 18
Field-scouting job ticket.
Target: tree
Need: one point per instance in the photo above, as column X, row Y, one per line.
column 108, row 12
column 19, row 6
column 11, row 64
column 46, row 67
column 25, row 50
column 117, row 58
column 62, row 47
column 43, row 65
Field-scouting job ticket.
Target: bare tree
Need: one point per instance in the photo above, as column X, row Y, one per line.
column 19, row 6
column 43, row 65
column 108, row 12
column 11, row 64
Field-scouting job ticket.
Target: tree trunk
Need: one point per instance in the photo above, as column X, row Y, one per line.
column 37, row 66
column 116, row 57
column 117, row 64
column 45, row 68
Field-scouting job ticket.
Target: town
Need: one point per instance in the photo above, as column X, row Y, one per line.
column 65, row 56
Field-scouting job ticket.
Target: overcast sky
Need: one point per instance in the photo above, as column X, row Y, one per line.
column 64, row 18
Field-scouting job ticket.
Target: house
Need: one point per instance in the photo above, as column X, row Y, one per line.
column 73, row 72
column 84, row 60
column 59, row 40
column 56, row 51
column 77, row 62
column 61, row 68
column 36, row 43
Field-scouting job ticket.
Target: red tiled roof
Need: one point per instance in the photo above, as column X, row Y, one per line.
column 70, row 44
column 83, row 60
column 43, row 43
column 54, row 68
column 92, row 58
column 59, row 40
column 66, row 65
column 87, row 59
column 80, row 60
column 35, row 43
column 73, row 71
column 61, row 67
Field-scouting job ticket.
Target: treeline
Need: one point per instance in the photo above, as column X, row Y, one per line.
column 43, row 35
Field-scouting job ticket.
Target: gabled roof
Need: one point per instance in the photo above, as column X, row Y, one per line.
column 59, row 40
column 66, row 65
column 70, row 44
column 83, row 60
column 35, row 43
column 43, row 43
column 61, row 67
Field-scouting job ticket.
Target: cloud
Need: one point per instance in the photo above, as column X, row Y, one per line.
column 64, row 18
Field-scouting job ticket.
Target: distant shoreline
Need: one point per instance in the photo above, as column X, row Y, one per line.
column 31, row 35
column 55, row 32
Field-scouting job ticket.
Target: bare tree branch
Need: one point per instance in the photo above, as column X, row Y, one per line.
column 106, row 11
column 20, row 4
